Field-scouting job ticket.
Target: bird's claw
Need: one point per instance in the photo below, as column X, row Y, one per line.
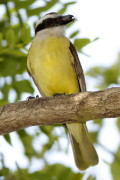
column 32, row 97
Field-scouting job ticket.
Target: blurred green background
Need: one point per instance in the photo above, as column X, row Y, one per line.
column 39, row 146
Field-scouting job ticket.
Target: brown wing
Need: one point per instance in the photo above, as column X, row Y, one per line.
column 78, row 68
column 84, row 152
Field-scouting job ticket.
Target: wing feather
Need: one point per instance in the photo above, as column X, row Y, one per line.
column 84, row 153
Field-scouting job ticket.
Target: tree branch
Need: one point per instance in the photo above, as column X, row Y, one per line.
column 79, row 107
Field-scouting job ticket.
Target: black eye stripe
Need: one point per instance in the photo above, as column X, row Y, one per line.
column 47, row 20
column 47, row 23
column 54, row 22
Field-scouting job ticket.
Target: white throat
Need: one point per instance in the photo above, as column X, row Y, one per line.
column 54, row 31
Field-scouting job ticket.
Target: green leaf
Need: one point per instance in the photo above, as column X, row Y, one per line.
column 115, row 166
column 74, row 34
column 97, row 38
column 25, row 35
column 91, row 178
column 47, row 130
column 70, row 3
column 8, row 68
column 80, row 43
column 3, row 1
column 1, row 37
column 23, row 4
column 50, row 4
column 7, row 138
column 62, row 10
column 3, row 102
column 4, row 172
column 60, row 173
column 95, row 71
column 98, row 122
column 14, row 62
column 94, row 136
column 23, row 86
column 27, row 142
column 49, row 172
column 5, row 90
column 10, row 37
column 111, row 75
column 118, row 123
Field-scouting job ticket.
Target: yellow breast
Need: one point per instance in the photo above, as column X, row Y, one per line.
column 51, row 64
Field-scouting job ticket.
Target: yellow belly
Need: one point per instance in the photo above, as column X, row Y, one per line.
column 51, row 64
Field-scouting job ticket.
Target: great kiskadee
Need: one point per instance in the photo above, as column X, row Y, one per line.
column 54, row 65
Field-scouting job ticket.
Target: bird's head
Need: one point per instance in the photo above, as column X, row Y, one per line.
column 52, row 20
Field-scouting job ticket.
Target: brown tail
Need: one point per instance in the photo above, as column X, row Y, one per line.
column 84, row 152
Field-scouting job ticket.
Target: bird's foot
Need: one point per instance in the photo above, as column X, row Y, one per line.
column 32, row 97
column 58, row 94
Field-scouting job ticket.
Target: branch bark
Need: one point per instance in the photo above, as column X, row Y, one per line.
column 79, row 107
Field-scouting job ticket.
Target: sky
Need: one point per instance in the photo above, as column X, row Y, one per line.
column 95, row 18
column 99, row 18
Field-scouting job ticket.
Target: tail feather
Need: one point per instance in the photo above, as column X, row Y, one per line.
column 84, row 152
column 78, row 157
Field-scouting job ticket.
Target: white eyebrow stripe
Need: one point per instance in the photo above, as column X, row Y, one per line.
column 46, row 17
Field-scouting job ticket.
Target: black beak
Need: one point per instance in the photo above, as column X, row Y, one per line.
column 68, row 18
column 63, row 20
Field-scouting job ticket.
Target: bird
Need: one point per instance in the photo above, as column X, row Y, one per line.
column 55, row 68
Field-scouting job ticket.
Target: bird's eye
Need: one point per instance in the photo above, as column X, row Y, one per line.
column 48, row 20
